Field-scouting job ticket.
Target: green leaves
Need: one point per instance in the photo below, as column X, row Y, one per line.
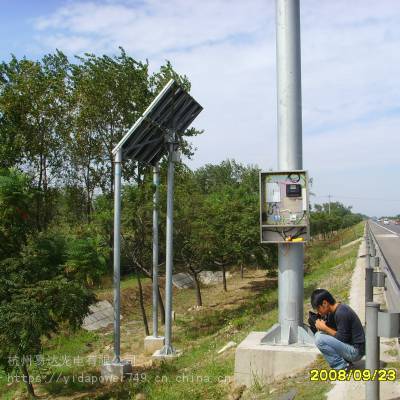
column 15, row 211
column 60, row 120
column 86, row 259
column 327, row 218
column 37, row 291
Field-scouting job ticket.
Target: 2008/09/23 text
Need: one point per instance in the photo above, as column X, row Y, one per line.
column 382, row 375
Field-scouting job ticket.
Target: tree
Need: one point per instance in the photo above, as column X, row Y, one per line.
column 109, row 94
column 34, row 104
column 37, row 294
column 232, row 215
column 190, row 239
column 212, row 178
column 340, row 216
column 137, row 244
column 15, row 211
column 86, row 258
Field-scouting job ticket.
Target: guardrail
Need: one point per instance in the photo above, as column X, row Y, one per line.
column 378, row 273
column 391, row 281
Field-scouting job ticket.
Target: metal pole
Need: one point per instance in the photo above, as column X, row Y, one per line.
column 291, row 283
column 156, row 195
column 372, row 350
column 291, row 256
column 117, row 253
column 168, row 349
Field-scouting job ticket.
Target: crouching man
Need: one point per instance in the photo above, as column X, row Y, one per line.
column 346, row 343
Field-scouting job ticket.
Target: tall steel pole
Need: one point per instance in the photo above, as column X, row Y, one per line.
column 291, row 256
column 156, row 195
column 117, row 252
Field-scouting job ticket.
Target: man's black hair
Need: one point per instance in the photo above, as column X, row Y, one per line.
column 319, row 295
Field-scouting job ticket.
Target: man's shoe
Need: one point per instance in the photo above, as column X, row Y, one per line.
column 349, row 367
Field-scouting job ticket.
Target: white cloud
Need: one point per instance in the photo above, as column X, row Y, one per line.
column 351, row 85
column 157, row 26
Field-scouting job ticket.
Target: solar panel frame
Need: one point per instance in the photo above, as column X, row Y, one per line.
column 172, row 110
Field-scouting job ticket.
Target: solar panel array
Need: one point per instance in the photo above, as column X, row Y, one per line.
column 172, row 110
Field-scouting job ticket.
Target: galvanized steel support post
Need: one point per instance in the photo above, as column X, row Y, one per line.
column 117, row 253
column 372, row 350
column 156, row 195
column 168, row 349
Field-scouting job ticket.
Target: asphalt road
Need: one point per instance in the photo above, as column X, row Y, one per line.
column 388, row 238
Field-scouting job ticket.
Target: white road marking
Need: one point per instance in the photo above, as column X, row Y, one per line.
column 384, row 227
column 387, row 235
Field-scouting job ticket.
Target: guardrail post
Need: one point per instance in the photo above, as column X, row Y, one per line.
column 367, row 241
column 372, row 350
column 378, row 279
column 368, row 270
column 372, row 249
column 369, row 289
column 371, row 262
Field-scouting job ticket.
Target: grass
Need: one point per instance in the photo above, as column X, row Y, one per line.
column 200, row 373
column 127, row 282
column 66, row 357
column 300, row 383
column 392, row 352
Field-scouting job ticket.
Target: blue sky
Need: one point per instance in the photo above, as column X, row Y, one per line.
column 350, row 71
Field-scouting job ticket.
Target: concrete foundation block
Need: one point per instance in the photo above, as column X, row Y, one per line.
column 152, row 344
column 159, row 356
column 264, row 363
column 112, row 372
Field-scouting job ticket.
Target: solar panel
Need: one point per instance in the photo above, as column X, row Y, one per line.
column 173, row 110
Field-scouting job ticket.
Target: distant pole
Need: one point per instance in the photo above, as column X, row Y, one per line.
column 329, row 197
column 117, row 252
column 291, row 255
column 156, row 195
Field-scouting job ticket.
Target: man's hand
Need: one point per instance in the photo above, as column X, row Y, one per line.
column 320, row 324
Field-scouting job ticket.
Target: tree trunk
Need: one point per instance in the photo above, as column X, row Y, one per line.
column 199, row 300
column 160, row 300
column 46, row 195
column 45, row 179
column 224, row 276
column 38, row 197
column 88, row 209
column 142, row 309
column 28, row 384
column 241, row 270
column 161, row 307
column 88, row 197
